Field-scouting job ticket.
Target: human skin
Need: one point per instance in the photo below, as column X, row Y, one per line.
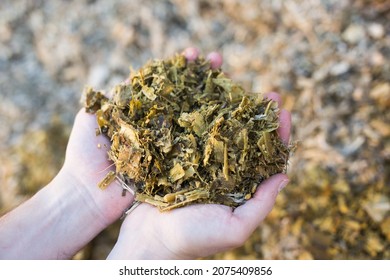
column 71, row 210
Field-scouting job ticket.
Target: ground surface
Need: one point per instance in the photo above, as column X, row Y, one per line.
column 328, row 59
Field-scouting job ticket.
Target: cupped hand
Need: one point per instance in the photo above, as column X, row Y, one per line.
column 199, row 230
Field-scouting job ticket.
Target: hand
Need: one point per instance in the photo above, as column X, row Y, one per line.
column 199, row 230
column 87, row 164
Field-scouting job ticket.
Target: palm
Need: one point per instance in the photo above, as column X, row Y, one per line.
column 190, row 231
column 201, row 230
column 87, row 151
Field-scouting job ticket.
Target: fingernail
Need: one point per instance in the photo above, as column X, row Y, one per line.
column 282, row 185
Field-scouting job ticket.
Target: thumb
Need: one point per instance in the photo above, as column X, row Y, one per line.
column 253, row 212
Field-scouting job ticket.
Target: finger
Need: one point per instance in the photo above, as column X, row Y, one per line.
column 253, row 212
column 284, row 129
column 84, row 128
column 275, row 97
column 215, row 59
column 191, row 54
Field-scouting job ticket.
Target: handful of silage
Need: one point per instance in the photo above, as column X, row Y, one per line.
column 183, row 133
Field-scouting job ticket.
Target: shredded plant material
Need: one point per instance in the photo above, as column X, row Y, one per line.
column 183, row 133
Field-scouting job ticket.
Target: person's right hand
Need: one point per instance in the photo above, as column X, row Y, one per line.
column 198, row 230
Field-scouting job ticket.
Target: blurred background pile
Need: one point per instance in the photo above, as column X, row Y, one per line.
column 330, row 61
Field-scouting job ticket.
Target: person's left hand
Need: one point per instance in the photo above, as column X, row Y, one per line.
column 87, row 164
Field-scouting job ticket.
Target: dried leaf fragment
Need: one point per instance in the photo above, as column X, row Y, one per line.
column 107, row 180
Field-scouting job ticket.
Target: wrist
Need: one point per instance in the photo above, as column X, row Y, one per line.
column 106, row 206
column 78, row 219
column 58, row 221
column 53, row 224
